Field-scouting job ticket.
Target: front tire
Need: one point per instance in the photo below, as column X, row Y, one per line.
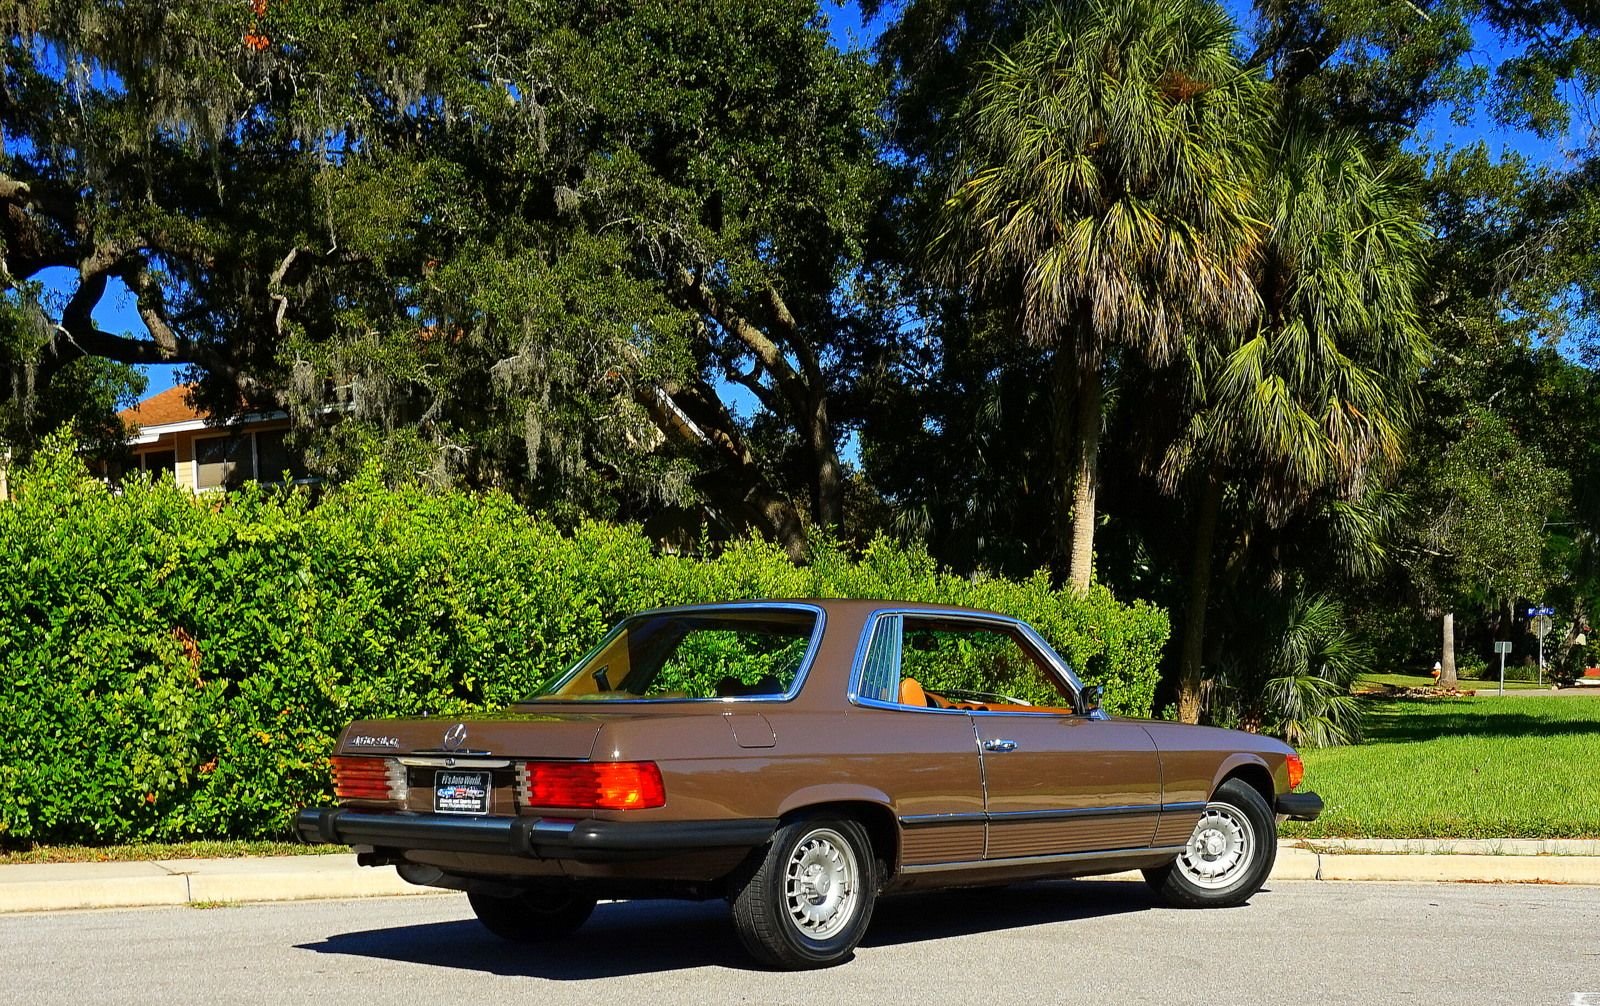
column 535, row 915
column 1228, row 856
column 809, row 900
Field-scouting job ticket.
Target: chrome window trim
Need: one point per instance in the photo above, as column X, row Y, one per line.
column 800, row 676
column 1042, row 649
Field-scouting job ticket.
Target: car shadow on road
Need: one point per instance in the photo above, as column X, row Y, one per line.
column 641, row 937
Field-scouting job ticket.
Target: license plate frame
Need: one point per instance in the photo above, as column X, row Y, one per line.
column 462, row 792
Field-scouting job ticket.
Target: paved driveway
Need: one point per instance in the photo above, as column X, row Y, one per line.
column 1099, row 942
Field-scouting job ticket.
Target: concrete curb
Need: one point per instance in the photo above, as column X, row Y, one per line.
column 65, row 886
column 56, row 886
column 1454, row 846
column 1428, row 863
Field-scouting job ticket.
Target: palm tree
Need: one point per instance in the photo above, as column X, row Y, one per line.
column 1106, row 171
column 1318, row 396
column 1297, row 686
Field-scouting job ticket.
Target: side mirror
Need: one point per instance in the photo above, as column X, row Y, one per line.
column 1089, row 699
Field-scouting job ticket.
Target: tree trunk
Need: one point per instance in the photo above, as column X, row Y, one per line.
column 692, row 413
column 1191, row 671
column 1568, row 664
column 1063, row 452
column 1447, row 663
column 1086, row 474
column 827, row 480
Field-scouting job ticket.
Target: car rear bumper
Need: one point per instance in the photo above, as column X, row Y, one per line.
column 1300, row 806
column 587, row 841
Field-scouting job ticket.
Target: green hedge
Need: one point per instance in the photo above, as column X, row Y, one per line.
column 174, row 668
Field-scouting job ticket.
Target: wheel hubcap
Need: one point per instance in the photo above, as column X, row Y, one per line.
column 1220, row 849
column 820, row 883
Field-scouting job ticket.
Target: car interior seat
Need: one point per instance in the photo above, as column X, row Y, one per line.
column 912, row 694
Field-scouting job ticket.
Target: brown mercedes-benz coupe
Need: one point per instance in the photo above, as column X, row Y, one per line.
column 799, row 758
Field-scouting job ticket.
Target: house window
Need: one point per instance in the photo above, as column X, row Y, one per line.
column 272, row 457
column 226, row 462
column 223, row 461
column 156, row 462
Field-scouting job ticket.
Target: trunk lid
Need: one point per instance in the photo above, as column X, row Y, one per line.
column 494, row 735
column 467, row 766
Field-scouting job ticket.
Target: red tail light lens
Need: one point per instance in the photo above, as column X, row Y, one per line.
column 605, row 785
column 1297, row 770
column 368, row 778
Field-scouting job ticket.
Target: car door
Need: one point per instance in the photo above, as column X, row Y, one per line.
column 1068, row 783
column 928, row 757
column 1055, row 781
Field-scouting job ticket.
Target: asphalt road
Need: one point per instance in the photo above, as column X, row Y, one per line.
column 1099, row 942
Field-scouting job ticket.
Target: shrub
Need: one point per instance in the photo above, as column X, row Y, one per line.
column 174, row 667
column 1298, row 689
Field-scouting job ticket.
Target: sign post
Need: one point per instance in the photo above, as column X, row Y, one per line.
column 1502, row 647
column 1541, row 628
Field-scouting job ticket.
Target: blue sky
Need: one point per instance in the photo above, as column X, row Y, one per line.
column 849, row 30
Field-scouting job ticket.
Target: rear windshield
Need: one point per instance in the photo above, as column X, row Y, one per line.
column 692, row 655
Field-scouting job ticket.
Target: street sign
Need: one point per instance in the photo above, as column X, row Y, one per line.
column 1535, row 612
column 1502, row 646
column 1541, row 626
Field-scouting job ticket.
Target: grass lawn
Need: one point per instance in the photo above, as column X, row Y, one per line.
column 1374, row 682
column 158, row 850
column 1513, row 767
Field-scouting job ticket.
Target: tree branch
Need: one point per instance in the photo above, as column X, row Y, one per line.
column 695, row 415
column 28, row 247
column 766, row 351
column 751, row 383
column 77, row 324
column 791, row 328
column 152, row 305
column 92, row 341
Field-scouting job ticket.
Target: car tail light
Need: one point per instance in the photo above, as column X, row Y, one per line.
column 368, row 778
column 1297, row 770
column 602, row 785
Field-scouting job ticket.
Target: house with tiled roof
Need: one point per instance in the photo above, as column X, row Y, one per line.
column 168, row 434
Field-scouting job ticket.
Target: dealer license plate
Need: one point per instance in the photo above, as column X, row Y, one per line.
column 461, row 792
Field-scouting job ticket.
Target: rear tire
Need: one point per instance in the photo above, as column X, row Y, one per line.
column 808, row 901
column 535, row 915
column 1229, row 855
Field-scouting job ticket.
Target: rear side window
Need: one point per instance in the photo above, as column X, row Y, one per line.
column 712, row 654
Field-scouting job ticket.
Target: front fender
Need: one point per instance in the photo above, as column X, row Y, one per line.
column 1248, row 759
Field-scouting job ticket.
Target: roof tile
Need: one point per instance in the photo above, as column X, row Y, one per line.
column 170, row 406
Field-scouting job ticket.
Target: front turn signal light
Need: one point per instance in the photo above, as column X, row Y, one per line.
column 1297, row 770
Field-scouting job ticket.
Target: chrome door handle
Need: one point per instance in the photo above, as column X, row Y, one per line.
column 1000, row 745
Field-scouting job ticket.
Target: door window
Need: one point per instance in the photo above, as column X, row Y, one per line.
column 958, row 663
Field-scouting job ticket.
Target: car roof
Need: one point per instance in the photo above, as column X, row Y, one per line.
column 839, row 606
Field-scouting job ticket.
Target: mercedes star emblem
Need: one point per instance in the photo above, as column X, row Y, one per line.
column 456, row 737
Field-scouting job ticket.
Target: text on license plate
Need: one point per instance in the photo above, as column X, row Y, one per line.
column 461, row 792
